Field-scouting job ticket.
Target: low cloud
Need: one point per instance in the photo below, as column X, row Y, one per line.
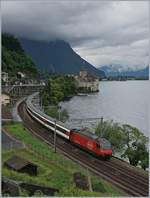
column 102, row 32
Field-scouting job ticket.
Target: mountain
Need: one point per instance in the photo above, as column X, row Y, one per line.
column 119, row 70
column 14, row 58
column 57, row 57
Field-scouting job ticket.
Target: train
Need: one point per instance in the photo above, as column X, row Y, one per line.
column 100, row 147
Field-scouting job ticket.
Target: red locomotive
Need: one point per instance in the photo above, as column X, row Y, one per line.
column 91, row 142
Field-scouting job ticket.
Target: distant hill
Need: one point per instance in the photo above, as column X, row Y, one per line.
column 118, row 70
column 14, row 58
column 57, row 57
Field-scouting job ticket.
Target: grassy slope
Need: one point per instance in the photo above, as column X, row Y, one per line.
column 54, row 170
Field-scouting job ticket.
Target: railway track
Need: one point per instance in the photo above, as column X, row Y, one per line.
column 132, row 182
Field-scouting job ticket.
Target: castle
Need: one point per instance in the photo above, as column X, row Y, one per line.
column 87, row 82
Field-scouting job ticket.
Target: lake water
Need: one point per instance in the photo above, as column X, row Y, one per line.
column 121, row 101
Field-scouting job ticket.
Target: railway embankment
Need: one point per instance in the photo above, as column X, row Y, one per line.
column 53, row 169
column 15, row 115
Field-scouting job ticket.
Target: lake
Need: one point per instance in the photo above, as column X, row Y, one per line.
column 121, row 101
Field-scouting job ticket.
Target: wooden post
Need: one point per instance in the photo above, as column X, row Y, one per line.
column 55, row 138
column 89, row 181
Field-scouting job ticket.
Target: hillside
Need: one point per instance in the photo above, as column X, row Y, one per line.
column 14, row 58
column 54, row 170
column 57, row 57
column 118, row 70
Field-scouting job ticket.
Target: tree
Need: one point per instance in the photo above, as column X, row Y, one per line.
column 136, row 143
column 145, row 162
column 111, row 131
column 11, row 43
column 57, row 89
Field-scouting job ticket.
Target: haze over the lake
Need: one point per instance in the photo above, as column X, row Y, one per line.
column 114, row 32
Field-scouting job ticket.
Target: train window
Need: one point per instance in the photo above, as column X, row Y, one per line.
column 43, row 119
column 49, row 123
column 97, row 145
column 60, row 129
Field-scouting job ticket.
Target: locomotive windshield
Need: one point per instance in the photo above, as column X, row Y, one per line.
column 105, row 144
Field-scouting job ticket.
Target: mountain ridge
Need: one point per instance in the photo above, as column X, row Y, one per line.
column 57, row 57
column 119, row 70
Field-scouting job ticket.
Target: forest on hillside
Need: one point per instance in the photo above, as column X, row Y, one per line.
column 14, row 58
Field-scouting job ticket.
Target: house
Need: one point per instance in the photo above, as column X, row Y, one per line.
column 4, row 77
column 21, row 165
column 20, row 75
column 87, row 82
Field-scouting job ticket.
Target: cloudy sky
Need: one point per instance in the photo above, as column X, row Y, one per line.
column 112, row 32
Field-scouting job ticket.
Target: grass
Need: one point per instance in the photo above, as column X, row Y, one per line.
column 53, row 169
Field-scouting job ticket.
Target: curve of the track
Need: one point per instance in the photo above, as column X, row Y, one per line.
column 130, row 181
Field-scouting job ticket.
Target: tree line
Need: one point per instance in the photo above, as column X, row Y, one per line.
column 58, row 88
